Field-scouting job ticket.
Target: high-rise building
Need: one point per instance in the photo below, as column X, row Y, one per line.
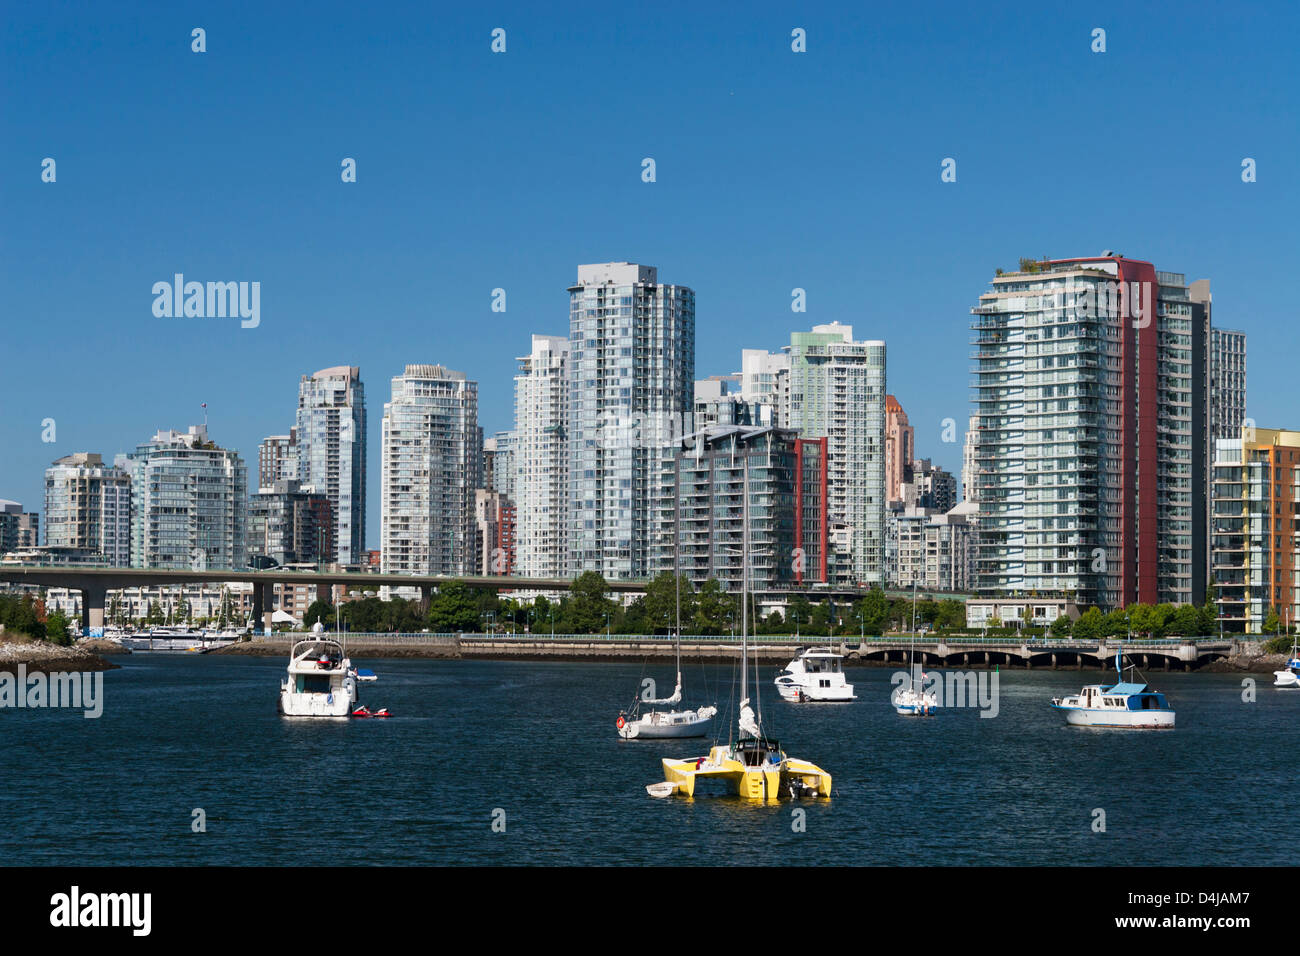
column 18, row 528
column 1090, row 391
column 631, row 373
column 719, row 401
column 189, row 502
column 765, row 380
column 699, row 504
column 900, row 448
column 432, row 462
column 929, row 547
column 837, row 390
column 928, row 486
column 541, row 459
column 88, row 506
column 331, row 441
column 1256, row 549
column 288, row 524
column 494, row 533
column 968, row 460
column 277, row 459
column 499, row 463
column 1227, row 382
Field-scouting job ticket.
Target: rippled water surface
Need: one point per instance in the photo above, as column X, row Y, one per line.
column 537, row 741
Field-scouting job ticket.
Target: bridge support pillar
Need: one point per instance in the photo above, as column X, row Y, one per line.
column 965, row 660
column 1166, row 665
column 987, row 659
column 324, row 593
column 92, row 607
column 268, row 612
column 259, row 602
column 426, row 595
column 1053, row 661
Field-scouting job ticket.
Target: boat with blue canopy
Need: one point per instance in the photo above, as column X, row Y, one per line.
column 1127, row 704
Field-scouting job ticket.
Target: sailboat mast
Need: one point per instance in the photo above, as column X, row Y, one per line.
column 677, row 580
column 744, row 580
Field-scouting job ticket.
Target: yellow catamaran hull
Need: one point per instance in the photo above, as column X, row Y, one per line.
column 766, row 782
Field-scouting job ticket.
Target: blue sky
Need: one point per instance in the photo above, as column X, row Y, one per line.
column 476, row 170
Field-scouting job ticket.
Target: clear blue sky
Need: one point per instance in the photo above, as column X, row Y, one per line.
column 479, row 170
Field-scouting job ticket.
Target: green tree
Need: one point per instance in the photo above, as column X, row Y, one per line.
column 874, row 610
column 1061, row 626
column 713, row 609
column 1090, row 625
column 588, row 609
column 56, row 629
column 800, row 613
column 1272, row 623
column 22, row 614
column 455, row 608
column 318, row 610
column 661, row 602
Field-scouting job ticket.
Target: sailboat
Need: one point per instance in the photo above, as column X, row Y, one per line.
column 655, row 724
column 913, row 700
column 751, row 765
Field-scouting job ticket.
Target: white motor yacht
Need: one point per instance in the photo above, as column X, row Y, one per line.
column 320, row 681
column 814, row 676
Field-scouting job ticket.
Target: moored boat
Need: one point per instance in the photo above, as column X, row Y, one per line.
column 1125, row 704
column 814, row 676
column 750, row 765
column 320, row 680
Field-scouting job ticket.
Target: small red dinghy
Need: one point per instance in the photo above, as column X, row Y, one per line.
column 364, row 711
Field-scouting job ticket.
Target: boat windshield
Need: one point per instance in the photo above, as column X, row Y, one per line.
column 755, row 753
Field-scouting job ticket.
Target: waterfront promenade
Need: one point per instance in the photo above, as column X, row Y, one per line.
column 887, row 651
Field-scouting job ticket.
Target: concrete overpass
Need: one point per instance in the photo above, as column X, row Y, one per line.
column 94, row 583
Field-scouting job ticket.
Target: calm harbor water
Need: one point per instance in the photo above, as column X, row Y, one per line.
column 537, row 740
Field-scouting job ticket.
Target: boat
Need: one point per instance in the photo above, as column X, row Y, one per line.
column 364, row 711
column 750, row 765
column 1291, row 676
column 914, row 700
column 320, row 680
column 656, row 723
column 1124, row 704
column 814, row 676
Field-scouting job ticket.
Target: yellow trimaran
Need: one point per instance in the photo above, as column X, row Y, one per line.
column 751, row 766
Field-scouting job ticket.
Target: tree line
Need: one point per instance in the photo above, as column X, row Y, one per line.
column 25, row 614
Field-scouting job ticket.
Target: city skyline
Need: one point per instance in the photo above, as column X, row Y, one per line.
column 760, row 188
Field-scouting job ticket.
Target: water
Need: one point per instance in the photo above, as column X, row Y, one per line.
column 537, row 740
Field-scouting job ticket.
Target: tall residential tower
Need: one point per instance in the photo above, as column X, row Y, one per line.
column 331, row 442
column 631, row 374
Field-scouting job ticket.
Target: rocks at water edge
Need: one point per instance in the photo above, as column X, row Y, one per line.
column 44, row 657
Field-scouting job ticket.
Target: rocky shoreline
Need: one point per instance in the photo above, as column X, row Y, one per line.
column 43, row 657
column 1247, row 664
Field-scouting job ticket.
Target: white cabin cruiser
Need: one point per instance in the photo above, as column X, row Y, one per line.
column 320, row 681
column 1291, row 676
column 1124, row 704
column 814, row 676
